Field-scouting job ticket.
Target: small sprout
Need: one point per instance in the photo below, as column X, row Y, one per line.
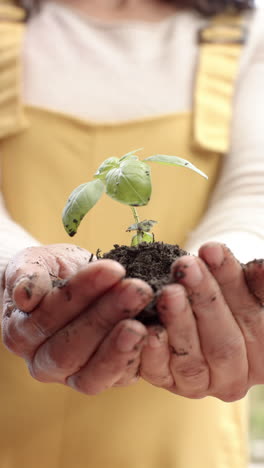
column 145, row 225
column 126, row 180
column 143, row 234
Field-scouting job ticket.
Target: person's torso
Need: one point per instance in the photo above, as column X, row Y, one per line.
column 141, row 426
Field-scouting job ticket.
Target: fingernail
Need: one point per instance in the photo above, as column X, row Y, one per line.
column 156, row 337
column 177, row 299
column 128, row 340
column 213, row 255
column 172, row 300
column 195, row 273
column 23, row 290
column 254, row 264
column 154, row 341
column 189, row 270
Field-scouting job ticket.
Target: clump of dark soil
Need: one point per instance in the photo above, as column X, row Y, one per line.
column 151, row 263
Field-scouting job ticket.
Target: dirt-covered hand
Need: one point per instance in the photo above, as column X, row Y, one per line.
column 72, row 320
column 212, row 339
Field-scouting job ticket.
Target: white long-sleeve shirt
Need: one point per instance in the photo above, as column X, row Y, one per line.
column 128, row 70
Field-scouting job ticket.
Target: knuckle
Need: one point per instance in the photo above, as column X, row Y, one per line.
column 125, row 381
column 9, row 343
column 57, row 357
column 20, row 333
column 199, row 394
column 226, row 351
column 12, row 338
column 193, row 371
column 230, row 396
column 83, row 385
column 113, row 365
column 251, row 316
column 40, row 330
column 37, row 374
column 90, row 390
column 164, row 381
column 50, row 364
column 102, row 322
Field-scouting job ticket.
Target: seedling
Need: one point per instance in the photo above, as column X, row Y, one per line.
column 126, row 180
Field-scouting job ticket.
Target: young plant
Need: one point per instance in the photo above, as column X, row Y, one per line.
column 126, row 180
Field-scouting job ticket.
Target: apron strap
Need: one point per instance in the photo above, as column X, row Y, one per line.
column 221, row 44
column 12, row 117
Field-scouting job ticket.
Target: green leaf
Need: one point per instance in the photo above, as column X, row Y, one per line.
column 130, row 183
column 131, row 155
column 81, row 200
column 174, row 161
column 105, row 167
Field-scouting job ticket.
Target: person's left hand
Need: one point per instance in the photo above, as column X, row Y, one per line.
column 212, row 339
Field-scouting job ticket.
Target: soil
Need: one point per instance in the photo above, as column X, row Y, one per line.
column 151, row 263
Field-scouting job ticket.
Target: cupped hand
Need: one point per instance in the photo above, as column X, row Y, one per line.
column 71, row 319
column 212, row 338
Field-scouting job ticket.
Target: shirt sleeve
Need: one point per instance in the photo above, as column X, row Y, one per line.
column 235, row 215
column 13, row 238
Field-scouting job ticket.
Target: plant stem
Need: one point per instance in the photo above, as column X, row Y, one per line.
column 136, row 217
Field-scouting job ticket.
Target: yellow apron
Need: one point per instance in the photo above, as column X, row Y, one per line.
column 51, row 426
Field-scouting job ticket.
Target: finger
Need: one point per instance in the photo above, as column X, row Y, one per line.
column 155, row 359
column 187, row 363
column 254, row 276
column 73, row 345
column 245, row 306
column 131, row 374
column 221, row 340
column 30, row 274
column 112, row 359
column 27, row 281
column 23, row 332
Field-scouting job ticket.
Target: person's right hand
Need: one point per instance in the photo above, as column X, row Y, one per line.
column 71, row 320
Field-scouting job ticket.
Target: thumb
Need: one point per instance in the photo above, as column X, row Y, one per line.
column 32, row 273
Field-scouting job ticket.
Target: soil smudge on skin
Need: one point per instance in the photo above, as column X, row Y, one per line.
column 28, row 291
column 59, row 283
column 28, row 288
column 179, row 352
